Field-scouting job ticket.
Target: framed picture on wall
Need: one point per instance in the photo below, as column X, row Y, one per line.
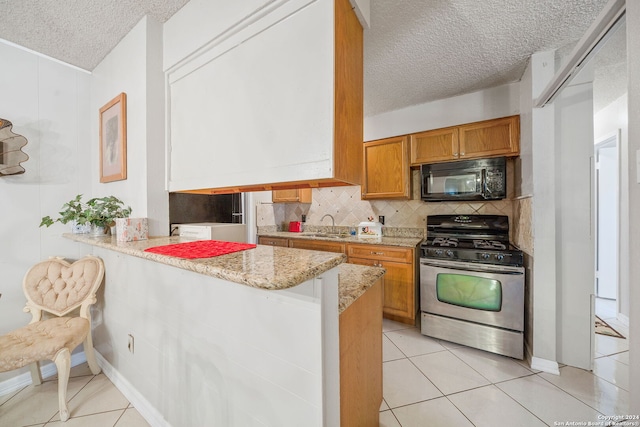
column 113, row 139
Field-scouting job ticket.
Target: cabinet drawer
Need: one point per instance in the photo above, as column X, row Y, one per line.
column 317, row 245
column 376, row 252
column 273, row 241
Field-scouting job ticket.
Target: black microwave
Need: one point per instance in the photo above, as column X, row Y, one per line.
column 482, row 179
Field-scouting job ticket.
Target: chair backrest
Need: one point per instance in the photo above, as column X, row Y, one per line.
column 59, row 287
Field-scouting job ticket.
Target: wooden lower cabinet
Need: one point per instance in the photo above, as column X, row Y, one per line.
column 317, row 245
column 399, row 282
column 361, row 360
column 273, row 241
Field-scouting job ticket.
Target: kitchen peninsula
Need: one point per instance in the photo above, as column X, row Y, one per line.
column 276, row 336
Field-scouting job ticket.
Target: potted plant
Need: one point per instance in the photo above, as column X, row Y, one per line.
column 103, row 211
column 98, row 213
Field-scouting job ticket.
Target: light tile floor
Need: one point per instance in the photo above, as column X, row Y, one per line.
column 429, row 382
column 426, row 382
column 92, row 399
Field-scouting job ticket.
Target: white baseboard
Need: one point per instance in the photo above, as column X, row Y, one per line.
column 545, row 365
column 46, row 370
column 539, row 364
column 142, row 405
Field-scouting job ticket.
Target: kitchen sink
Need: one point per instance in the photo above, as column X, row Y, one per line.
column 327, row 235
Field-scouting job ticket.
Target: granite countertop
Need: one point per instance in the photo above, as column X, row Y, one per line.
column 265, row 267
column 405, row 242
column 354, row 280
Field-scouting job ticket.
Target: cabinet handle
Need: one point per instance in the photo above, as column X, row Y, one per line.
column 377, row 253
column 462, row 154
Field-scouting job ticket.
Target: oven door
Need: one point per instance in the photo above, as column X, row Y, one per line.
column 487, row 294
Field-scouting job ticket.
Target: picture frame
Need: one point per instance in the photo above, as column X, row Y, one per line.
column 113, row 139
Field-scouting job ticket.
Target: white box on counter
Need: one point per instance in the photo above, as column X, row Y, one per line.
column 131, row 229
column 370, row 229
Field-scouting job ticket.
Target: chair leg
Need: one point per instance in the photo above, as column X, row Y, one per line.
column 63, row 363
column 91, row 354
column 36, row 377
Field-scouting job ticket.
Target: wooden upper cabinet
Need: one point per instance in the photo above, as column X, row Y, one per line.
column 433, row 146
column 299, row 195
column 499, row 137
column 489, row 138
column 386, row 173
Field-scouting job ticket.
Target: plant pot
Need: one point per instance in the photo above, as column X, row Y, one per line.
column 98, row 230
column 80, row 228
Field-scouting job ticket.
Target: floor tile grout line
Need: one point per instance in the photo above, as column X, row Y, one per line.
column 14, row 395
column 91, row 414
column 516, row 400
column 121, row 415
column 575, row 397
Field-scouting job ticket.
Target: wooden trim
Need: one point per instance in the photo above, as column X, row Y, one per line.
column 348, row 95
column 361, row 359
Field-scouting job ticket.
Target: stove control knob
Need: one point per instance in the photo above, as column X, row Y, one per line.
column 450, row 253
column 485, row 256
column 438, row 252
column 499, row 257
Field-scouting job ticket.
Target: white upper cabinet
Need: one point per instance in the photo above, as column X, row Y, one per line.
column 254, row 104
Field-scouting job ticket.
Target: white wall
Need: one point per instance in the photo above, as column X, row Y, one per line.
column 633, row 64
column 133, row 67
column 606, row 123
column 486, row 104
column 48, row 103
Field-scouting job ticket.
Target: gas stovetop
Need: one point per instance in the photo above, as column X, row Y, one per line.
column 474, row 238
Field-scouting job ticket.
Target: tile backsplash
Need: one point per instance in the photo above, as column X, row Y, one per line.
column 347, row 208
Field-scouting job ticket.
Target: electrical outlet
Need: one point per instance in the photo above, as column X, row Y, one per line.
column 304, row 218
column 130, row 344
column 381, row 219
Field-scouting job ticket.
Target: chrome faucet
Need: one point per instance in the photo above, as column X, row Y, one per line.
column 333, row 222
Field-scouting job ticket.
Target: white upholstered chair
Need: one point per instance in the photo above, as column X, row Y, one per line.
column 56, row 287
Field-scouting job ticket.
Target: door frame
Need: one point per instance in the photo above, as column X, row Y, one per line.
column 611, row 140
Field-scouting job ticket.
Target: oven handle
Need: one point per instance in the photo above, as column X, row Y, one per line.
column 475, row 270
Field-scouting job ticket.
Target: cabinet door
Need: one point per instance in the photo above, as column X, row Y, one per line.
column 386, row 169
column 399, row 285
column 300, row 195
column 499, row 137
column 434, row 146
column 317, row 245
column 273, row 241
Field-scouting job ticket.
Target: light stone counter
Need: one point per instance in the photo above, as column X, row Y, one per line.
column 353, row 281
column 405, row 242
column 264, row 267
column 255, row 267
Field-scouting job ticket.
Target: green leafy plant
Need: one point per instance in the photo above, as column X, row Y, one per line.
column 99, row 211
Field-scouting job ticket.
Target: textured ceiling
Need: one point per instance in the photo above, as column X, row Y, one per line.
column 78, row 32
column 418, row 51
column 415, row 51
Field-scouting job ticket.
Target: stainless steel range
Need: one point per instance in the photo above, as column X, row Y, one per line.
column 472, row 283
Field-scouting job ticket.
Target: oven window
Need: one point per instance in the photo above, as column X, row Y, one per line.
column 474, row 292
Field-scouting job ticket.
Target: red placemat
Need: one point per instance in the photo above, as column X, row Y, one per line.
column 200, row 249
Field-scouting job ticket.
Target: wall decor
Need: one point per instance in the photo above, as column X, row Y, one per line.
column 113, row 139
column 11, row 154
